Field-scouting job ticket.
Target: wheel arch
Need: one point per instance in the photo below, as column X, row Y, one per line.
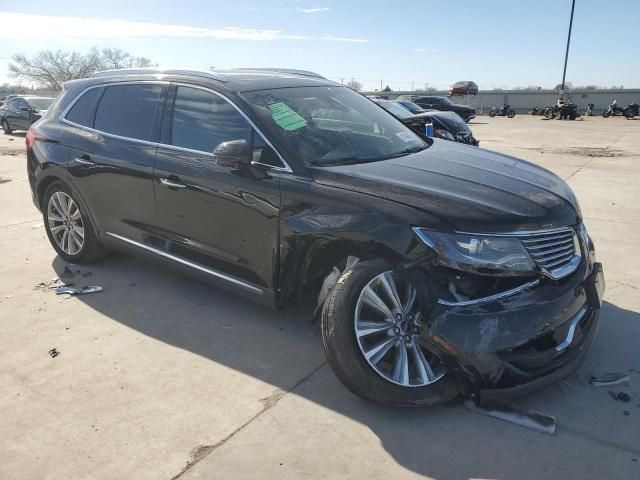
column 312, row 259
column 50, row 177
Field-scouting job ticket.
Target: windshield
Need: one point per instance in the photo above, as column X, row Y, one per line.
column 412, row 107
column 447, row 101
column 40, row 103
column 395, row 108
column 453, row 121
column 332, row 125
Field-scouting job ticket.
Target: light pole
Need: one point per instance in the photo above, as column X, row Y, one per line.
column 566, row 55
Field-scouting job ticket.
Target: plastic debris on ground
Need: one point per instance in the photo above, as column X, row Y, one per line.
column 608, row 379
column 71, row 290
column 620, row 396
column 537, row 421
column 54, row 353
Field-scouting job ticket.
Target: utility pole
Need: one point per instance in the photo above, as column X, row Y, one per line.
column 412, row 86
column 342, row 80
column 566, row 55
column 380, row 85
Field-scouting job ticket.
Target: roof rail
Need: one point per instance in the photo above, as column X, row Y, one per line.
column 161, row 71
column 304, row 73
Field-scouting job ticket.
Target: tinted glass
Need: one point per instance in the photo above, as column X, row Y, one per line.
column 128, row 110
column 83, row 111
column 13, row 103
column 332, row 125
column 202, row 121
column 23, row 103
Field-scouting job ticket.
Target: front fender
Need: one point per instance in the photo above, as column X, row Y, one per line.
column 321, row 225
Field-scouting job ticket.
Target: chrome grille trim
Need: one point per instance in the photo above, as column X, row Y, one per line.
column 556, row 253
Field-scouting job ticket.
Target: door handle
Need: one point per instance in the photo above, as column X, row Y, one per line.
column 172, row 184
column 85, row 160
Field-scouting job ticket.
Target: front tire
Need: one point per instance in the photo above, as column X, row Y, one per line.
column 492, row 113
column 370, row 338
column 606, row 114
column 511, row 113
column 69, row 226
column 6, row 127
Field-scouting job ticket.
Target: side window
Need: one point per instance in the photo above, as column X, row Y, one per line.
column 83, row 111
column 23, row 104
column 13, row 103
column 202, row 121
column 128, row 110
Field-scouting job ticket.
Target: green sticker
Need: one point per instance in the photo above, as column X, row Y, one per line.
column 286, row 118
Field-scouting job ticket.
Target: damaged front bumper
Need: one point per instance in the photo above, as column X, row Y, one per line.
column 517, row 343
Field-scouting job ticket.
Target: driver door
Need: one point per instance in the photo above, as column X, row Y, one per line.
column 215, row 216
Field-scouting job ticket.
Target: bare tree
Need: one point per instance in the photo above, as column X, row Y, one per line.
column 113, row 58
column 354, row 85
column 50, row 69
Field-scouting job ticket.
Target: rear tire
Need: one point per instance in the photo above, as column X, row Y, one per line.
column 345, row 350
column 5, row 126
column 69, row 226
column 629, row 113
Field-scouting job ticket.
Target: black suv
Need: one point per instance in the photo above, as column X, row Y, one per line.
column 441, row 103
column 438, row 268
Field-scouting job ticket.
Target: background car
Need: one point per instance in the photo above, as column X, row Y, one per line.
column 440, row 103
column 412, row 107
column 465, row 87
column 18, row 113
column 446, row 125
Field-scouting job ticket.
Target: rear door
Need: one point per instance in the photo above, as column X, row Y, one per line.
column 12, row 113
column 112, row 148
column 23, row 119
column 222, row 218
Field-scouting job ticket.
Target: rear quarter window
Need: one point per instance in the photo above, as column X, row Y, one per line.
column 83, row 110
column 128, row 110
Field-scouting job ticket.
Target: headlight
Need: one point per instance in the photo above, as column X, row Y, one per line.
column 444, row 134
column 478, row 253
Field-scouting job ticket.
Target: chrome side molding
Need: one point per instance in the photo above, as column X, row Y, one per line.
column 213, row 273
column 490, row 298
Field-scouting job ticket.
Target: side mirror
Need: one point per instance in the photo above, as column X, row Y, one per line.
column 233, row 153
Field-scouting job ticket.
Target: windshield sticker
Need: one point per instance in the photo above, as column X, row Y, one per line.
column 406, row 136
column 286, row 118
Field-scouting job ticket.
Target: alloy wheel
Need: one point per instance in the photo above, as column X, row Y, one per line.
column 65, row 223
column 387, row 326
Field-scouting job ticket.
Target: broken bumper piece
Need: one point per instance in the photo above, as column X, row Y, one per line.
column 512, row 346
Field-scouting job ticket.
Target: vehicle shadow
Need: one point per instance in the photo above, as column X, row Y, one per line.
column 283, row 347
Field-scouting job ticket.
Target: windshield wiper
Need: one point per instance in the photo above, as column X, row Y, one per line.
column 406, row 151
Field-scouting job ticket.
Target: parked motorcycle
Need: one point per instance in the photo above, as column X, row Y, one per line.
column 613, row 110
column 537, row 111
column 632, row 110
column 589, row 111
column 562, row 111
column 504, row 111
column 549, row 112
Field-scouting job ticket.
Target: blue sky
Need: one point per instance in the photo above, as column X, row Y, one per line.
column 496, row 42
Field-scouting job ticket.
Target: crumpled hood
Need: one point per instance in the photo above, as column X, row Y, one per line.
column 471, row 189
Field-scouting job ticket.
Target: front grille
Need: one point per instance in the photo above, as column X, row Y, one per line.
column 552, row 250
